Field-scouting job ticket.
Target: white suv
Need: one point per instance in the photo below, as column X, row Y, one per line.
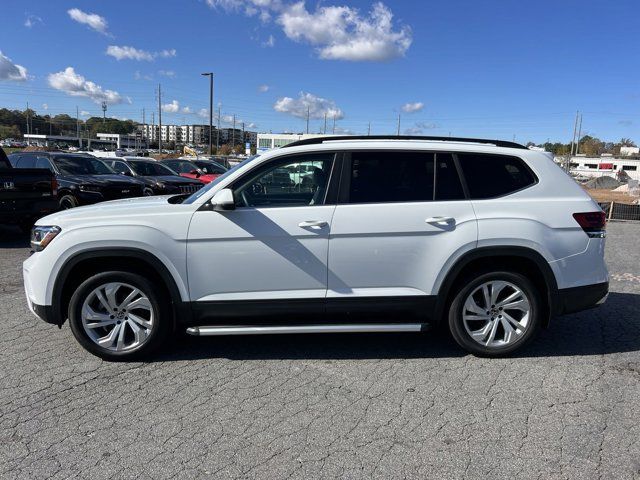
column 376, row 234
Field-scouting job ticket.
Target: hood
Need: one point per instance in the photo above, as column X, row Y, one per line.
column 208, row 177
column 173, row 180
column 104, row 180
column 123, row 211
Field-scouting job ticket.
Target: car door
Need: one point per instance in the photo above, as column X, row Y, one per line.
column 401, row 216
column 273, row 246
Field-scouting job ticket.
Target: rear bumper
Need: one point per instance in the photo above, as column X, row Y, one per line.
column 570, row 300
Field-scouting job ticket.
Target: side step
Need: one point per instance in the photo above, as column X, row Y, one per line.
column 269, row 330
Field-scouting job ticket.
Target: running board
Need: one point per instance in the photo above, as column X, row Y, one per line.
column 269, row 330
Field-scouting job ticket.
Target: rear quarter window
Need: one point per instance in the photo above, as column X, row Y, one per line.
column 490, row 176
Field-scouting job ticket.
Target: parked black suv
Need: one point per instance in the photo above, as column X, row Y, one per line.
column 158, row 178
column 25, row 195
column 82, row 179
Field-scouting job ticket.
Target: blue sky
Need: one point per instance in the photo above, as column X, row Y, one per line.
column 459, row 67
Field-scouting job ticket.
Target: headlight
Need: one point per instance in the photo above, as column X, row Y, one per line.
column 89, row 188
column 42, row 236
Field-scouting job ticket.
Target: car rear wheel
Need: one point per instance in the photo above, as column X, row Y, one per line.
column 118, row 316
column 495, row 313
column 67, row 202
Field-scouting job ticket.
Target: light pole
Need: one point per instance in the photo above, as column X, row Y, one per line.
column 210, row 75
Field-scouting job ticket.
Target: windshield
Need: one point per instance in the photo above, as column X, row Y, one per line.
column 211, row 185
column 82, row 166
column 182, row 166
column 149, row 169
column 209, row 166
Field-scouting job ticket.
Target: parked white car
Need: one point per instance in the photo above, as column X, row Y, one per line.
column 389, row 234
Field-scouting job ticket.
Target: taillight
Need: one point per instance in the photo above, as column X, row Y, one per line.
column 54, row 186
column 593, row 223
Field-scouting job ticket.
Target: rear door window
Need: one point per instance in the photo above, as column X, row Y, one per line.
column 490, row 176
column 448, row 184
column 388, row 176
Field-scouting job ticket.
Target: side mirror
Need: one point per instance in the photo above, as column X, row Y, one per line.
column 223, row 200
column 196, row 172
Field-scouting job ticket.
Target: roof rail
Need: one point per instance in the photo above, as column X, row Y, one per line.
column 318, row 140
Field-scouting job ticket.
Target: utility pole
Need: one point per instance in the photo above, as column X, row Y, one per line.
column 398, row 124
column 104, row 111
column 27, row 112
column 218, row 131
column 573, row 141
column 144, row 129
column 153, row 125
column 233, row 132
column 369, row 129
column 334, row 124
column 242, row 132
column 307, row 119
column 579, row 136
column 325, row 123
column 159, row 119
column 78, row 127
column 210, row 75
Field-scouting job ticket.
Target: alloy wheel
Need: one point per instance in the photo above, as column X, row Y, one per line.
column 117, row 316
column 496, row 313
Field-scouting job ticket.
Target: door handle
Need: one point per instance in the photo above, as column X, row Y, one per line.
column 441, row 220
column 313, row 224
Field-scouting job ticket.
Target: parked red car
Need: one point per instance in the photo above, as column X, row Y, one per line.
column 189, row 170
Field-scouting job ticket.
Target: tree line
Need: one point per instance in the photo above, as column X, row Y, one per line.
column 13, row 124
column 588, row 145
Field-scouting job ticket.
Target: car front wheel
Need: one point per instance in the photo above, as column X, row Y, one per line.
column 118, row 316
column 495, row 313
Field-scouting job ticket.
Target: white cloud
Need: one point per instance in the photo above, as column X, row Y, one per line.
column 420, row 127
column 32, row 20
column 71, row 83
column 172, row 107
column 84, row 113
column 316, row 106
column 128, row 53
column 251, row 125
column 45, row 106
column 11, row 71
column 203, row 112
column 92, row 20
column 139, row 76
column 167, row 53
column 343, row 131
column 125, row 52
column 270, row 42
column 336, row 32
column 263, row 88
column 412, row 107
column 167, row 73
column 186, row 110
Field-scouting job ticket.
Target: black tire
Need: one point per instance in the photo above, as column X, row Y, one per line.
column 161, row 310
column 68, row 201
column 456, row 322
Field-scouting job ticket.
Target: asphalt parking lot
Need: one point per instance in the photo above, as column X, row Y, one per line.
column 326, row 406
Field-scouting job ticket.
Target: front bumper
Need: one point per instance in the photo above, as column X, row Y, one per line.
column 576, row 299
column 43, row 312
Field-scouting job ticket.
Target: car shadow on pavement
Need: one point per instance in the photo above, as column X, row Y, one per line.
column 13, row 237
column 612, row 328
